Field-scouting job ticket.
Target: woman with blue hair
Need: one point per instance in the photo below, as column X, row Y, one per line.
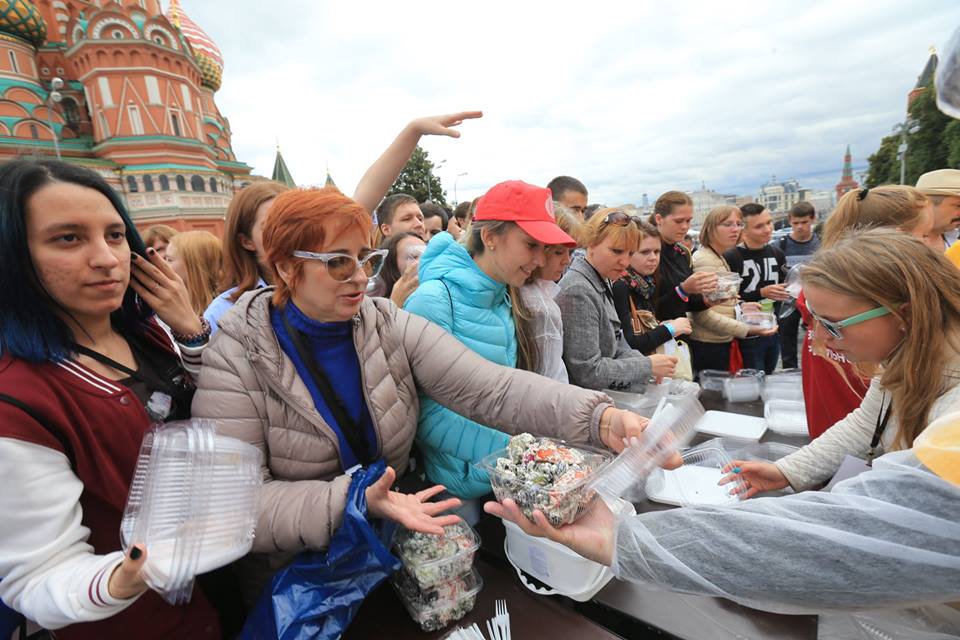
column 85, row 369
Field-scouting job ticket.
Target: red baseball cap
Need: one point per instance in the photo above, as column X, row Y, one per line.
column 529, row 206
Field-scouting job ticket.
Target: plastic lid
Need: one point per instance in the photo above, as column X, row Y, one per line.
column 735, row 426
column 671, row 427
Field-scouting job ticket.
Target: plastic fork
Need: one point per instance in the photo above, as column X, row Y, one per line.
column 502, row 619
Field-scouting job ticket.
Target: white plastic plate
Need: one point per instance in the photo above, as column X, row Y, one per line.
column 732, row 425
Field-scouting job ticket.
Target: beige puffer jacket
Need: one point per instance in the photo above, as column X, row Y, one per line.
column 251, row 387
column 719, row 323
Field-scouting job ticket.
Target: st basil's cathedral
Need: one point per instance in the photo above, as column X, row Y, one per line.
column 127, row 90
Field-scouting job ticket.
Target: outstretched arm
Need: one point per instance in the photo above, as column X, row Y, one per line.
column 382, row 173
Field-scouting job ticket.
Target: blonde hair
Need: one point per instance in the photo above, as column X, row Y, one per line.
column 570, row 225
column 887, row 268
column 596, row 230
column 158, row 232
column 713, row 220
column 202, row 253
column 884, row 206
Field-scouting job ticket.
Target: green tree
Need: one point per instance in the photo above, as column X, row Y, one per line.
column 417, row 179
column 934, row 145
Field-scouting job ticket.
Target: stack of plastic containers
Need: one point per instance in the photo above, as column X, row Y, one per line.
column 786, row 417
column 743, row 387
column 646, row 403
column 437, row 583
column 712, row 379
column 192, row 503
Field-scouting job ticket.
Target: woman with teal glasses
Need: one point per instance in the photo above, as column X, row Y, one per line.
column 883, row 297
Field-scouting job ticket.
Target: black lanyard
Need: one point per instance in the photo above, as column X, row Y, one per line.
column 351, row 429
column 882, row 419
column 181, row 393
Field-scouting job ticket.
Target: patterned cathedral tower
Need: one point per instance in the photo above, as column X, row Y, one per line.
column 137, row 103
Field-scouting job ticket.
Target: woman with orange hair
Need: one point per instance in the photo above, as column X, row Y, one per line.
column 323, row 379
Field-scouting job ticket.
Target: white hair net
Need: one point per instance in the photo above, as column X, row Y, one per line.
column 889, row 537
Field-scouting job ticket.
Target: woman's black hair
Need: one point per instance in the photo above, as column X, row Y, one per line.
column 30, row 327
column 390, row 272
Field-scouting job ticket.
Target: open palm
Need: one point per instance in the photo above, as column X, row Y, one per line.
column 412, row 510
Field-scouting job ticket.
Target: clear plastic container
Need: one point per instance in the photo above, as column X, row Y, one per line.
column 696, row 482
column 712, row 379
column 761, row 319
column 671, row 427
column 192, row 503
column 553, row 480
column 431, row 559
column 639, row 403
column 786, row 417
column 742, row 387
column 728, row 287
column 766, row 451
column 438, row 606
column 777, row 387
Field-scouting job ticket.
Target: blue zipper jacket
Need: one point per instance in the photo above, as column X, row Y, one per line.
column 455, row 294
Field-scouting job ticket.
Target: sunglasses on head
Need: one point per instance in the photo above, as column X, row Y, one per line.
column 620, row 219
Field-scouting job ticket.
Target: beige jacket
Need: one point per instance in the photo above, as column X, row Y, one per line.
column 718, row 323
column 251, row 387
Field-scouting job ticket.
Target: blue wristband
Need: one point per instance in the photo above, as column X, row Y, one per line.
column 673, row 334
column 683, row 294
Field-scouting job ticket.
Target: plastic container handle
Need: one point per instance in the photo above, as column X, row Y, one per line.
column 548, row 591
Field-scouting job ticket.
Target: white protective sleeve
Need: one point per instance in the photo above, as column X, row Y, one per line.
column 48, row 572
column 889, row 537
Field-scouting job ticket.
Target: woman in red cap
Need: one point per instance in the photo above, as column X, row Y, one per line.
column 471, row 289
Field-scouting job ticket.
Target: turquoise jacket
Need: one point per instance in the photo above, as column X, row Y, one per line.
column 455, row 294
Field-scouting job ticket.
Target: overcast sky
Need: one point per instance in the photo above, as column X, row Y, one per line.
column 630, row 97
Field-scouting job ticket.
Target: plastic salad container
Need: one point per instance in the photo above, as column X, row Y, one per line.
column 545, row 474
column 761, row 319
column 430, row 559
column 783, row 388
column 728, row 287
column 696, row 482
column 786, row 417
column 712, row 379
column 438, row 606
column 646, row 403
column 193, row 503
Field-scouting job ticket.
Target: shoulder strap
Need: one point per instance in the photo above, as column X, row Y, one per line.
column 453, row 320
column 351, row 429
column 53, row 431
column 783, row 243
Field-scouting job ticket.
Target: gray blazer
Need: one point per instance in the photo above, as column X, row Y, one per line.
column 594, row 349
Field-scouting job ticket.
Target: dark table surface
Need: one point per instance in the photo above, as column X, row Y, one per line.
column 621, row 609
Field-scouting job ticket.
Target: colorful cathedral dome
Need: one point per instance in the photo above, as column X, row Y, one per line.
column 21, row 19
column 205, row 50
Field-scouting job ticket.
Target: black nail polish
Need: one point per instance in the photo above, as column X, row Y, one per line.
column 134, row 257
column 135, row 553
column 151, row 251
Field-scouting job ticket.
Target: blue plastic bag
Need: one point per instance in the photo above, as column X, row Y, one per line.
column 317, row 595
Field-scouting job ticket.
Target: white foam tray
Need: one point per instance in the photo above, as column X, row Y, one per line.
column 732, row 425
column 699, row 486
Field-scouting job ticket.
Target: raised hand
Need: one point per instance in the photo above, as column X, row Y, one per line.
column 443, row 125
column 413, row 511
column 758, row 477
column 406, row 285
column 681, row 326
column 662, row 366
column 618, row 427
column 591, row 536
column 161, row 288
column 700, row 282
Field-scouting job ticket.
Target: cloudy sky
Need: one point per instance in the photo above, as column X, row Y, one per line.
column 630, row 97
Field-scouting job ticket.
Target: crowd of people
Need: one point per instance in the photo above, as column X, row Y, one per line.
column 332, row 331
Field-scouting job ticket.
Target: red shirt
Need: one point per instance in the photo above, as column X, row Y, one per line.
column 831, row 387
column 105, row 424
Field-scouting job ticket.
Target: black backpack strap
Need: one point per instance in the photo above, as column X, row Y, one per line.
column 53, row 431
